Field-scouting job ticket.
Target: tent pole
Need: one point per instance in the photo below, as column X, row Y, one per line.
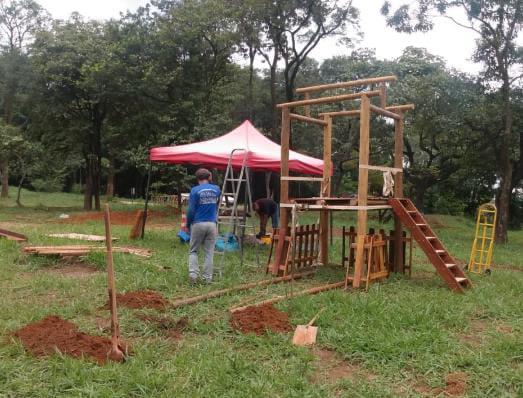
column 146, row 198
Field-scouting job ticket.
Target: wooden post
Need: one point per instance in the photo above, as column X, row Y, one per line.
column 363, row 180
column 284, row 187
column 326, row 189
column 398, row 193
column 307, row 107
column 383, row 95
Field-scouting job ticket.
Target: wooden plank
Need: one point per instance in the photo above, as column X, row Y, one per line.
column 307, row 119
column 363, row 181
column 284, row 188
column 384, row 112
column 306, row 206
column 328, row 100
column 383, row 95
column 10, row 235
column 352, row 83
column 401, row 108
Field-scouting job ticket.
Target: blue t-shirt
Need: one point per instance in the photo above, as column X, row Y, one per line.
column 203, row 204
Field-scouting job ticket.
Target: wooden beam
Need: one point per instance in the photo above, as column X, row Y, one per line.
column 292, row 178
column 326, row 189
column 352, row 83
column 356, row 112
column 384, row 112
column 381, row 168
column 307, row 119
column 327, row 100
column 398, row 108
column 398, row 193
column 363, row 181
column 305, row 206
column 383, row 95
column 284, row 187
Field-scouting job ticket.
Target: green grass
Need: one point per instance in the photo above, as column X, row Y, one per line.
column 399, row 334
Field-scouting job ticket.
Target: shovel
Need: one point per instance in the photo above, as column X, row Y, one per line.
column 306, row 334
column 116, row 353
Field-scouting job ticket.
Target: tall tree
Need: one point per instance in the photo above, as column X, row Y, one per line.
column 19, row 20
column 497, row 24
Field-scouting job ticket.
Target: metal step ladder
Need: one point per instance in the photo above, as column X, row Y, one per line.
column 482, row 247
column 446, row 266
column 230, row 219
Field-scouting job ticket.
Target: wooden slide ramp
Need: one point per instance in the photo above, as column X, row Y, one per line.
column 445, row 264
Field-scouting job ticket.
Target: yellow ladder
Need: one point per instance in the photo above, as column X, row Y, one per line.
column 481, row 253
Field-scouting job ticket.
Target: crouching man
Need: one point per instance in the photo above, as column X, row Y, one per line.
column 266, row 208
column 201, row 221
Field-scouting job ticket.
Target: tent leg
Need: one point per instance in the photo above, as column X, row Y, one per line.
column 146, row 198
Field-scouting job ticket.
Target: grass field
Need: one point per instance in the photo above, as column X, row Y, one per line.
column 405, row 337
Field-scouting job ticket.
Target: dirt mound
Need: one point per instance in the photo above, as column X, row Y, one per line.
column 259, row 319
column 168, row 326
column 117, row 217
column 456, row 384
column 141, row 299
column 53, row 334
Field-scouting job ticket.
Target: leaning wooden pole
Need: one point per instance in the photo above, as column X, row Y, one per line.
column 398, row 193
column 363, row 181
column 284, row 189
column 276, row 299
column 246, row 286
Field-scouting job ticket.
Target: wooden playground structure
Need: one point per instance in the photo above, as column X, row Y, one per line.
column 294, row 253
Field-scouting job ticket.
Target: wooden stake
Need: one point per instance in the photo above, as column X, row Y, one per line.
column 363, row 181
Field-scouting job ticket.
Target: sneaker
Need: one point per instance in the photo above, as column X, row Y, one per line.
column 193, row 281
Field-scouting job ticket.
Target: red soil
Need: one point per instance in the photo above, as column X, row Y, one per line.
column 51, row 334
column 260, row 319
column 141, row 299
column 117, row 217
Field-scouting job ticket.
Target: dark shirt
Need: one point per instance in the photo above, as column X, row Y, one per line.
column 266, row 206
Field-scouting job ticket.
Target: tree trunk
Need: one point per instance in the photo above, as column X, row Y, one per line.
column 110, row 180
column 88, row 191
column 505, row 189
column 4, row 172
column 419, row 196
column 252, row 53
column 274, row 112
column 19, row 192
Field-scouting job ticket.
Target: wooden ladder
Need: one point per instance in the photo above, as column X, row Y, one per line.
column 440, row 258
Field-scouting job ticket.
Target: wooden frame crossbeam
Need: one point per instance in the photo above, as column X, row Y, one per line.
column 328, row 100
column 306, row 206
column 356, row 112
column 292, row 178
column 307, row 119
column 384, row 112
column 353, row 83
column 393, row 170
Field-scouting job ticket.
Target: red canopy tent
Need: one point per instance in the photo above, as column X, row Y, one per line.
column 263, row 154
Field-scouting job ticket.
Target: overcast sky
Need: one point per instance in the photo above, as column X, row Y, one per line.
column 452, row 42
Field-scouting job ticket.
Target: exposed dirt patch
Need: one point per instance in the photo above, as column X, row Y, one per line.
column 456, row 384
column 475, row 335
column 74, row 268
column 330, row 367
column 167, row 326
column 53, row 333
column 504, row 329
column 141, row 299
column 117, row 217
column 260, row 319
column 507, row 267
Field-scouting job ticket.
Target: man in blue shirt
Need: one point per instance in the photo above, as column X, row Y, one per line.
column 201, row 220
